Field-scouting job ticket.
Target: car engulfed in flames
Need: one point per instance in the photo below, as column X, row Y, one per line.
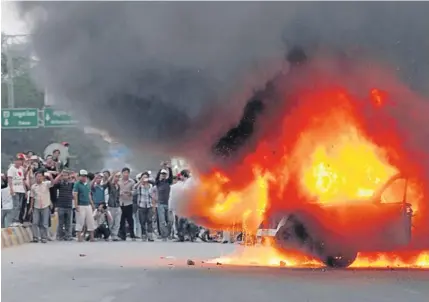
column 337, row 244
column 334, row 167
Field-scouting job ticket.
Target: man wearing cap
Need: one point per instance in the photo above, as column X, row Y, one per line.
column 17, row 188
column 84, row 206
column 126, row 185
column 146, row 206
column 40, row 203
column 163, row 181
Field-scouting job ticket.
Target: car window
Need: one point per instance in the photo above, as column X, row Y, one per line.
column 395, row 191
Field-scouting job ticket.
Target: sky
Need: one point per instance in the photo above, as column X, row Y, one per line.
column 10, row 22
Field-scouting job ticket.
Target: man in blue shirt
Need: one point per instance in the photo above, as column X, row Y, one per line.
column 84, row 206
column 97, row 190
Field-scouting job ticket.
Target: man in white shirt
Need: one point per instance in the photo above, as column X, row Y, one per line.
column 17, row 189
column 185, row 227
column 40, row 203
column 6, row 203
column 175, row 192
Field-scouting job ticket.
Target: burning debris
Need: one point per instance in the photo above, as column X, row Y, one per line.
column 190, row 262
column 272, row 257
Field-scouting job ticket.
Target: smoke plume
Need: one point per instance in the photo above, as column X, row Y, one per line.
column 175, row 77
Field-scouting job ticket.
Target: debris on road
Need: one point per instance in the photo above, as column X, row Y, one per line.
column 82, row 255
column 190, row 262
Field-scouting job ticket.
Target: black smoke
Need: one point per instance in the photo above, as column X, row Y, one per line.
column 238, row 135
column 175, row 77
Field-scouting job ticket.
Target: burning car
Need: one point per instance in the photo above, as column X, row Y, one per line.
column 321, row 157
column 335, row 234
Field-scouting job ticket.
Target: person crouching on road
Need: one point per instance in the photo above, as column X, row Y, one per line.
column 146, row 206
column 40, row 204
column 84, row 206
column 102, row 218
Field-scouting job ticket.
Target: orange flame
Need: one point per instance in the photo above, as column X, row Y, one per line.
column 333, row 147
column 269, row 256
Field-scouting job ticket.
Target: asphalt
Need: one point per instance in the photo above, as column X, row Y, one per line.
column 158, row 272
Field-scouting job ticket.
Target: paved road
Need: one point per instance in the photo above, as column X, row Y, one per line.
column 134, row 271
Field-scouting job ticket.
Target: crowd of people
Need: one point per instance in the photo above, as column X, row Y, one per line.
column 107, row 205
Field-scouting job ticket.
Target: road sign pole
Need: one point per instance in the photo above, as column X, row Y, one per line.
column 41, row 118
column 10, row 76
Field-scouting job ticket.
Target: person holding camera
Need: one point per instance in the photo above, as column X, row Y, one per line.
column 102, row 218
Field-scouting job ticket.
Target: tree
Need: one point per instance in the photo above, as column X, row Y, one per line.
column 86, row 148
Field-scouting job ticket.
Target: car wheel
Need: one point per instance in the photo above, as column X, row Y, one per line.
column 342, row 260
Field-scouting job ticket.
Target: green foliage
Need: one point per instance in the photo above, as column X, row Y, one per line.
column 3, row 64
column 85, row 148
column 27, row 95
column 3, row 56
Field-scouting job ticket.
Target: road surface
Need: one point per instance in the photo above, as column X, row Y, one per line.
column 134, row 271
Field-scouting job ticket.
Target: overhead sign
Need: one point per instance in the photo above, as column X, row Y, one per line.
column 58, row 118
column 20, row 118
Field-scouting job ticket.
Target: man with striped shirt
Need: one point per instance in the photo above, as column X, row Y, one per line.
column 64, row 204
column 146, row 206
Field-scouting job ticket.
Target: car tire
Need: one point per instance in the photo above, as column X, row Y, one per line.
column 343, row 260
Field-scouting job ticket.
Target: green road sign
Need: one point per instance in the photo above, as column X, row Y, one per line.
column 20, row 118
column 57, row 118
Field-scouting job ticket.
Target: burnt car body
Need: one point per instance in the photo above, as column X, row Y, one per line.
column 334, row 234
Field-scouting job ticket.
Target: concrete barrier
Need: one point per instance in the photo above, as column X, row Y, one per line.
column 14, row 236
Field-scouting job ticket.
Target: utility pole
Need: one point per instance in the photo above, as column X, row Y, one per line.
column 10, row 76
column 10, row 69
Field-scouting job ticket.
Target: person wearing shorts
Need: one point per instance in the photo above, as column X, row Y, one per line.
column 84, row 206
